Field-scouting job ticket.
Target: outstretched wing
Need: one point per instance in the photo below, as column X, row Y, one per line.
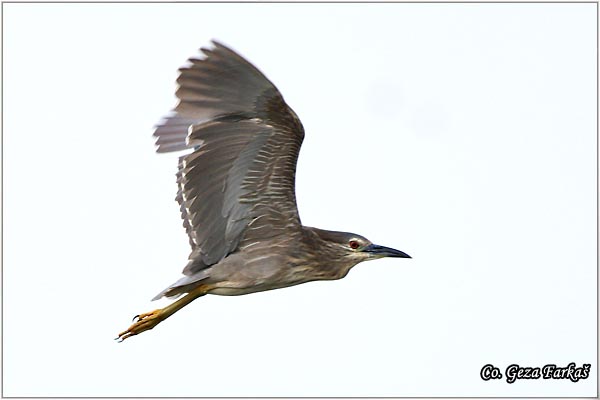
column 238, row 183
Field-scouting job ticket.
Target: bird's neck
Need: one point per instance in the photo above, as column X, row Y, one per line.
column 330, row 261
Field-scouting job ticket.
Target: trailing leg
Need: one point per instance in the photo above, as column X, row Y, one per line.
column 147, row 321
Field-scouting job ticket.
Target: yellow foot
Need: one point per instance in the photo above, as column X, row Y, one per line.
column 143, row 322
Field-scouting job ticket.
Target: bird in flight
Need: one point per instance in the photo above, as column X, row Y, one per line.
column 236, row 189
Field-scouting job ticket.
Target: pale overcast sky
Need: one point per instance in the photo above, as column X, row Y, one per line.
column 462, row 134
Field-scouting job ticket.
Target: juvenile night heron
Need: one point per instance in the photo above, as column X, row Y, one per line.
column 236, row 189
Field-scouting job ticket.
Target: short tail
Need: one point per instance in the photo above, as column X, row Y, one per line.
column 183, row 286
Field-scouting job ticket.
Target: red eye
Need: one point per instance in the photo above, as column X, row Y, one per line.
column 354, row 244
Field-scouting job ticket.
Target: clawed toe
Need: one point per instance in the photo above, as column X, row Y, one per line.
column 141, row 323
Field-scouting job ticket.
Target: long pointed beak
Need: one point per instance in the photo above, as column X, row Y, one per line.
column 382, row 251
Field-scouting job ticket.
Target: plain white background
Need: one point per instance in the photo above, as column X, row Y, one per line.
column 462, row 134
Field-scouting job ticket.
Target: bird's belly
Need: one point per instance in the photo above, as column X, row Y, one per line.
column 261, row 287
column 248, row 273
column 257, row 277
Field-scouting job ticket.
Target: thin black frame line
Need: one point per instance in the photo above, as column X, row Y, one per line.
column 304, row 2
column 298, row 2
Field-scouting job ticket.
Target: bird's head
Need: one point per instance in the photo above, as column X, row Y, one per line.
column 355, row 247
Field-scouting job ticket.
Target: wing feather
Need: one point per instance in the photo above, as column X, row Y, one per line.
column 237, row 186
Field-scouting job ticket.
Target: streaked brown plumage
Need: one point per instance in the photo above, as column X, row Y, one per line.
column 236, row 189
